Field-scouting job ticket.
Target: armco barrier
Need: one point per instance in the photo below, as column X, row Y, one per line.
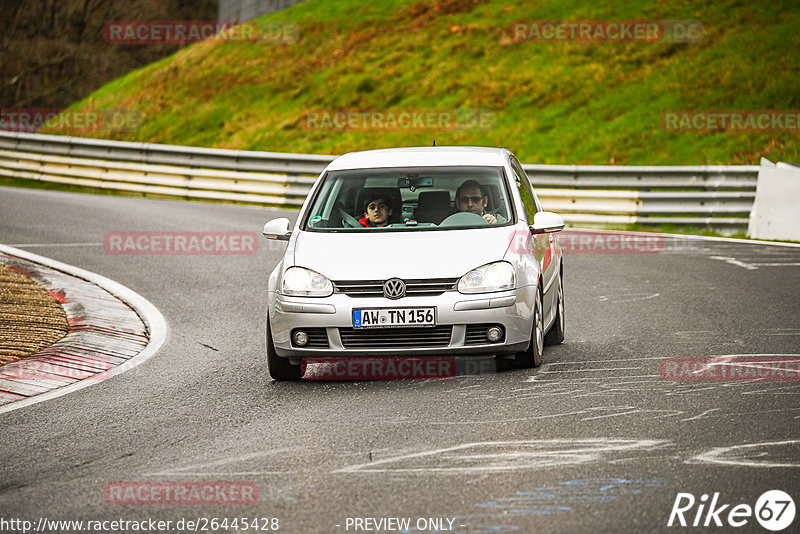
column 712, row 195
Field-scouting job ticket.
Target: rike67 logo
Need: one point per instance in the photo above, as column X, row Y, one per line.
column 774, row 510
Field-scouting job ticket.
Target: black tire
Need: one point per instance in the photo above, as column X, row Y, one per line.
column 532, row 357
column 556, row 334
column 280, row 368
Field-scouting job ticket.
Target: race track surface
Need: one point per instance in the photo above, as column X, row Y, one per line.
column 595, row 440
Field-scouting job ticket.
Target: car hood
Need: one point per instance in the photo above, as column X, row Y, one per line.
column 410, row 255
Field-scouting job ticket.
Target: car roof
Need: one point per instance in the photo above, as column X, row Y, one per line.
column 440, row 156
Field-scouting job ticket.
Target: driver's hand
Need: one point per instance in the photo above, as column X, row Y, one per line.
column 491, row 219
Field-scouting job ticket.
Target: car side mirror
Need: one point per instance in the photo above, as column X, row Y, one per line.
column 277, row 229
column 545, row 222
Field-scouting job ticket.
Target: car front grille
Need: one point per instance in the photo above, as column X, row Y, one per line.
column 401, row 337
column 476, row 334
column 414, row 288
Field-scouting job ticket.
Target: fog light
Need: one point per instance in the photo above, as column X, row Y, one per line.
column 300, row 338
column 494, row 333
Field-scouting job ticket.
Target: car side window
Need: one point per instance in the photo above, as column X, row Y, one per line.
column 524, row 191
column 527, row 181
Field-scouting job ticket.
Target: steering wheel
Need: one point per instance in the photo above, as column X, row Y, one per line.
column 494, row 211
column 464, row 218
column 348, row 219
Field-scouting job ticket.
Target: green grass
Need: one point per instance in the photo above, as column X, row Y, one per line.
column 553, row 102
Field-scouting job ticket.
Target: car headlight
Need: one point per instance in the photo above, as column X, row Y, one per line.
column 302, row 282
column 497, row 276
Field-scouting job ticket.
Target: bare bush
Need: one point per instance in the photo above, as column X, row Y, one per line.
column 52, row 52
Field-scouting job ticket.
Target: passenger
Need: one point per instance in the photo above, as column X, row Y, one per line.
column 470, row 197
column 376, row 213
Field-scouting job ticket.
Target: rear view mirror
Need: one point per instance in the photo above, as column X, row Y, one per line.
column 546, row 221
column 277, row 229
column 413, row 182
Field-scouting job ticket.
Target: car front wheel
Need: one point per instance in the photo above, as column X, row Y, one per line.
column 533, row 356
column 556, row 334
column 280, row 368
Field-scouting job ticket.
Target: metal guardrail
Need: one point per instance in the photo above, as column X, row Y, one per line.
column 708, row 177
column 182, row 156
column 158, row 180
column 716, row 196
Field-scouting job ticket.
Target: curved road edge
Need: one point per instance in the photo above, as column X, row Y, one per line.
column 688, row 237
column 149, row 314
column 731, row 240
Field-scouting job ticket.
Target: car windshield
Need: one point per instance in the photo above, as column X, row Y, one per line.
column 410, row 199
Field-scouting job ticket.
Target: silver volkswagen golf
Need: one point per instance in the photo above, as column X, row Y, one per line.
column 416, row 252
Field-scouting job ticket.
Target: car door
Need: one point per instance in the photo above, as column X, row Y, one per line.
column 544, row 245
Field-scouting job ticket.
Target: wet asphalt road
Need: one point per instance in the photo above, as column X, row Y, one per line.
column 595, row 440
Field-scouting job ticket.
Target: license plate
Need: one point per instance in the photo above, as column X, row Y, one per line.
column 382, row 317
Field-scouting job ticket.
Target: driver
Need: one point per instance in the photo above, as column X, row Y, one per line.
column 376, row 212
column 469, row 197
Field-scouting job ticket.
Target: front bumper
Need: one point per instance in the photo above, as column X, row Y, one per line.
column 511, row 309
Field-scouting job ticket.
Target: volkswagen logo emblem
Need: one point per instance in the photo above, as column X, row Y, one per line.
column 394, row 288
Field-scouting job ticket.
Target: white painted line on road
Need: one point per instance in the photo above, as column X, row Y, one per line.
column 48, row 245
column 734, row 261
column 227, row 473
column 149, row 314
column 695, row 389
column 752, row 266
column 723, row 239
column 533, row 378
column 499, row 456
column 530, row 418
column 666, row 413
column 592, row 370
column 745, row 457
column 775, row 390
column 615, row 299
column 608, row 361
column 701, row 415
column 645, row 458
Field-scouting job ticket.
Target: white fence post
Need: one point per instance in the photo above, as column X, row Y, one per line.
column 776, row 211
